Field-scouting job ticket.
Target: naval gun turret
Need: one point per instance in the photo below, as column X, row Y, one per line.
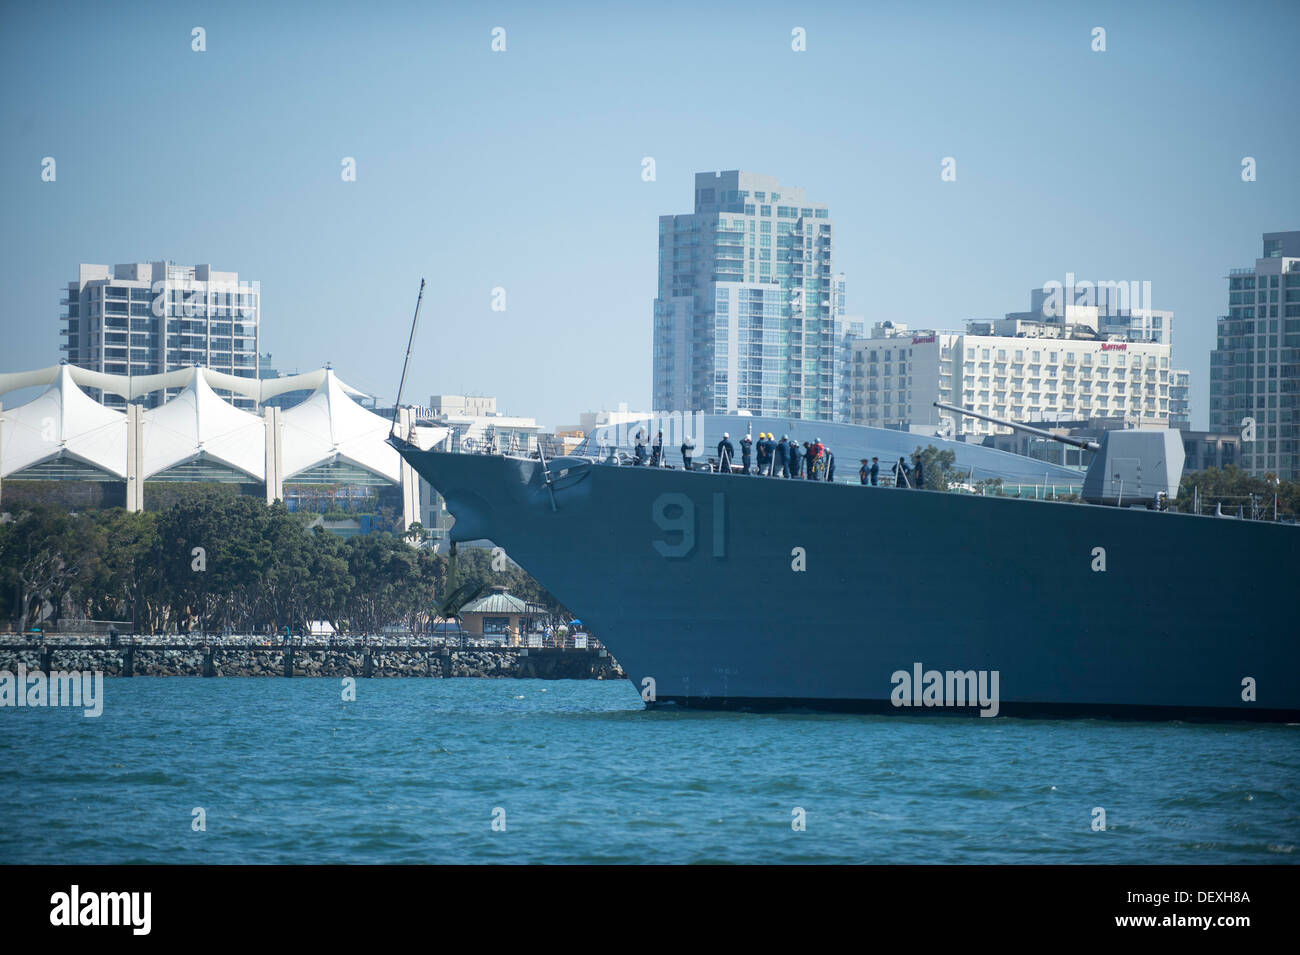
column 1128, row 467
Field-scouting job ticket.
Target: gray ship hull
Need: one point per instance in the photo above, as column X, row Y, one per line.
column 729, row 591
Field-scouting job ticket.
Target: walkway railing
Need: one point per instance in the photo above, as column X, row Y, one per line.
column 196, row 641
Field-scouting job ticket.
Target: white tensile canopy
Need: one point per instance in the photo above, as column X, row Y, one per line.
column 63, row 420
column 198, row 423
column 329, row 425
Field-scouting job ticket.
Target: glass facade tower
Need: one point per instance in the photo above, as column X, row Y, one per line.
column 744, row 319
column 1255, row 368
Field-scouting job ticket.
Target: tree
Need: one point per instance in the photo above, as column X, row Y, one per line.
column 936, row 467
column 1233, row 488
column 328, row 582
column 47, row 552
column 206, row 558
column 127, row 574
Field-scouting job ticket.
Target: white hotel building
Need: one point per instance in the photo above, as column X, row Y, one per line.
column 150, row 318
column 1016, row 368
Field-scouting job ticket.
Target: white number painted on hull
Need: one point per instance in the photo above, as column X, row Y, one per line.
column 674, row 513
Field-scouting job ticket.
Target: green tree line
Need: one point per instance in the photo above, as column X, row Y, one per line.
column 217, row 562
column 1234, row 488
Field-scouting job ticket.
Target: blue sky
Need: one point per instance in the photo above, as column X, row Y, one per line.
column 522, row 169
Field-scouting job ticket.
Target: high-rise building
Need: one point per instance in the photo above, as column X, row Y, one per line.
column 148, row 318
column 1255, row 368
column 1044, row 378
column 898, row 372
column 744, row 319
column 848, row 329
column 1180, row 399
column 1036, row 366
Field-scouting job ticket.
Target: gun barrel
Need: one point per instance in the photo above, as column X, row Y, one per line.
column 1074, row 442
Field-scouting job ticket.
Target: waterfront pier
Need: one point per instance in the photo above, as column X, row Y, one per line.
column 195, row 657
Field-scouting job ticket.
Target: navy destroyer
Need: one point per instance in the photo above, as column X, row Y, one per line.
column 718, row 590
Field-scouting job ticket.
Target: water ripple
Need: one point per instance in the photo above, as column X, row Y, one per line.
column 420, row 770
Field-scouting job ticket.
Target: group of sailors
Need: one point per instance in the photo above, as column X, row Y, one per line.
column 785, row 458
column 903, row 476
column 767, row 456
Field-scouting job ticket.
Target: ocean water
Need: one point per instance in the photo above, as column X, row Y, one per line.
column 417, row 770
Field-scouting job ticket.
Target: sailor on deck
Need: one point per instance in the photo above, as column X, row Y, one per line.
column 746, row 452
column 900, row 473
column 796, row 460
column 726, row 451
column 816, row 459
column 781, row 458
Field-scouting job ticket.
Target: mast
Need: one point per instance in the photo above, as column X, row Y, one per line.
column 397, row 405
